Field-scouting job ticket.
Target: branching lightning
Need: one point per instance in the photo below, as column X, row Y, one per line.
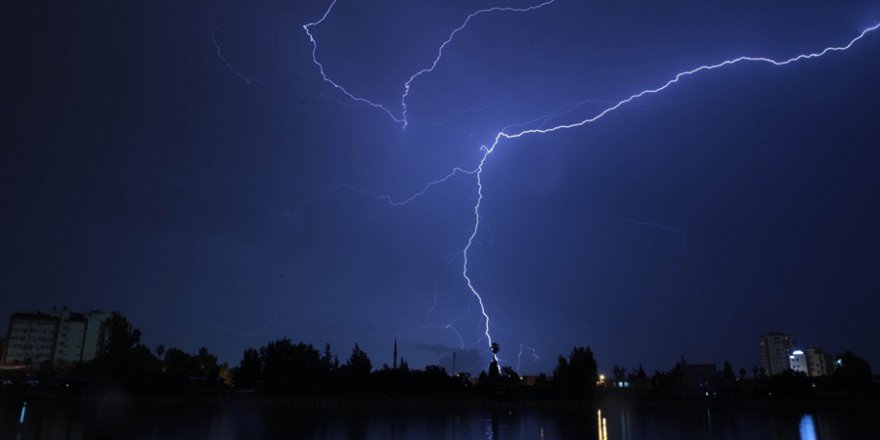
column 229, row 65
column 676, row 79
column 308, row 28
column 505, row 135
column 402, row 119
column 502, row 135
column 523, row 348
column 391, row 201
column 451, row 324
column 429, row 69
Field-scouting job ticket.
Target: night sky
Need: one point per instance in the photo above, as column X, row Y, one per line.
column 207, row 191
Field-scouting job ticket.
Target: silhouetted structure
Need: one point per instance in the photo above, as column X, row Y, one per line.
column 819, row 363
column 282, row 367
column 576, row 376
column 56, row 336
column 774, row 349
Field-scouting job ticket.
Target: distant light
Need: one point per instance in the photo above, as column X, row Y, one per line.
column 798, row 352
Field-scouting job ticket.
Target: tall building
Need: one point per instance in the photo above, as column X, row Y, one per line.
column 94, row 335
column 797, row 361
column 775, row 349
column 71, row 333
column 57, row 336
column 31, row 337
column 819, row 363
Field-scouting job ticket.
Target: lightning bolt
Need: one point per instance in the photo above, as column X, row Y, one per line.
column 402, row 119
column 229, row 65
column 390, row 199
column 506, row 135
column 451, row 324
column 429, row 69
column 677, row 78
column 503, row 135
column 522, row 349
column 308, row 29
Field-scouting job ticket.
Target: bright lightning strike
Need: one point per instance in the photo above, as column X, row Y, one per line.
column 402, row 119
column 677, row 78
column 308, row 28
column 429, row 69
column 505, row 135
column 502, row 135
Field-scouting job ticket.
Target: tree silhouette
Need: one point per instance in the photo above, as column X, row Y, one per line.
column 327, row 357
column 356, row 371
column 115, row 354
column 618, row 372
column 853, row 374
column 120, row 337
column 178, row 365
column 576, row 377
column 207, row 364
column 291, row 368
column 249, row 369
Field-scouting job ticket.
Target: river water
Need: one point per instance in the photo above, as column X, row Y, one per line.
column 120, row 417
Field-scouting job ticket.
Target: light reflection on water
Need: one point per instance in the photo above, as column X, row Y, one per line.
column 23, row 412
column 277, row 419
column 601, row 426
column 808, row 428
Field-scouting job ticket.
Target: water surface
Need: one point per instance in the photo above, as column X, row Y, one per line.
column 121, row 417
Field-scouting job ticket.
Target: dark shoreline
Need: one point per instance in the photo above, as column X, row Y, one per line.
column 470, row 402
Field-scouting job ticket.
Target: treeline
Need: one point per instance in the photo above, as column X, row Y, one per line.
column 851, row 377
column 124, row 362
column 285, row 368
